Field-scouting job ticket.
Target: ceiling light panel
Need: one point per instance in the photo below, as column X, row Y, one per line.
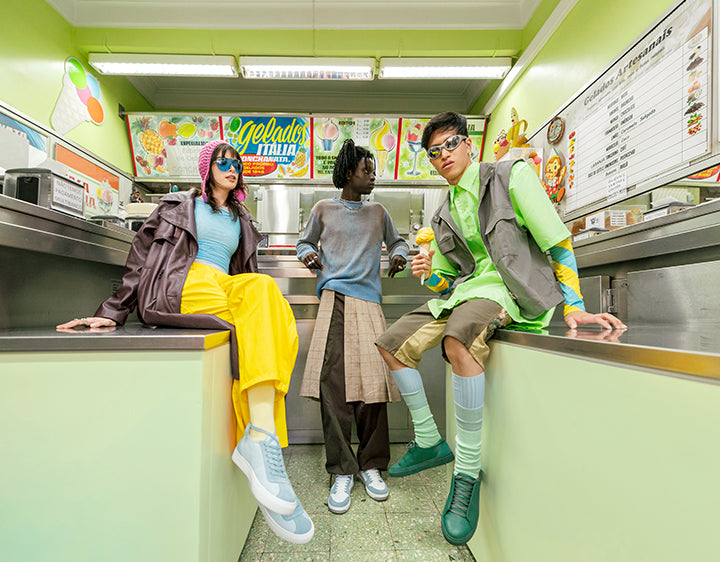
column 445, row 68
column 164, row 65
column 307, row 68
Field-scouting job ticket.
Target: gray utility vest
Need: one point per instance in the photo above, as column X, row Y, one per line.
column 523, row 266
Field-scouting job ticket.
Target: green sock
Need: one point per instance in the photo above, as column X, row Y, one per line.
column 426, row 432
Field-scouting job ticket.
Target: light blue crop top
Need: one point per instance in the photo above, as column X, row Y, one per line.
column 218, row 235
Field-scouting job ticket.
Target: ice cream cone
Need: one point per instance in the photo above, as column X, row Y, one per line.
column 69, row 110
column 382, row 159
column 423, row 238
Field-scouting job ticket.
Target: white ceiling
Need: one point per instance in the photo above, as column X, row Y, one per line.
column 298, row 14
column 377, row 96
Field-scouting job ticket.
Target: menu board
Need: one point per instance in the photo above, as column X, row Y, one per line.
column 646, row 115
column 270, row 147
column 378, row 134
column 296, row 147
column 168, row 146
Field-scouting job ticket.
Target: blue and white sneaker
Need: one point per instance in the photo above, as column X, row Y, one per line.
column 296, row 528
column 339, row 500
column 263, row 464
column 374, row 484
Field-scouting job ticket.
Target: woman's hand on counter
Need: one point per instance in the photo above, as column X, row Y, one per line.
column 605, row 319
column 312, row 261
column 91, row 322
column 396, row 265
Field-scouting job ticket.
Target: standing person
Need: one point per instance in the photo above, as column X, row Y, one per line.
column 489, row 262
column 343, row 242
column 193, row 264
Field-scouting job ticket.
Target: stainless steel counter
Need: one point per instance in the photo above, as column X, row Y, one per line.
column 131, row 337
column 674, row 348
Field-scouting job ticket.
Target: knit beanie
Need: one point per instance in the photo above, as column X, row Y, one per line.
column 206, row 153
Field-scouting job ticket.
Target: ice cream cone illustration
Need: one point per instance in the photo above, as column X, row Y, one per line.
column 329, row 131
column 383, row 141
column 79, row 99
column 423, row 238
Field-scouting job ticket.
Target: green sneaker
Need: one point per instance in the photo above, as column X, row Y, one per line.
column 421, row 458
column 462, row 509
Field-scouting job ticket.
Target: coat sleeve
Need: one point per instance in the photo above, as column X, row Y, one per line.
column 124, row 300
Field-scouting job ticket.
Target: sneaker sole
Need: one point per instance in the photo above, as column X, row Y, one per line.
column 262, row 495
column 284, row 533
column 422, row 466
column 457, row 541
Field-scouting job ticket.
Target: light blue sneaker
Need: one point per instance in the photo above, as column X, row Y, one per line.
column 263, row 464
column 339, row 500
column 374, row 484
column 296, row 528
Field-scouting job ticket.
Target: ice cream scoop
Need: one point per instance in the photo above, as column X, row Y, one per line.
column 423, row 238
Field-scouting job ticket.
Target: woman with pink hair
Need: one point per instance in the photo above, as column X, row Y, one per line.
column 193, row 264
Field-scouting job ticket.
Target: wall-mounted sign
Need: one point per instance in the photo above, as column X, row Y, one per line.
column 80, row 99
column 645, row 116
column 270, row 147
column 101, row 187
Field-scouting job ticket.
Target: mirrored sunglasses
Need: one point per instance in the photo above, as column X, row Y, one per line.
column 450, row 144
column 223, row 164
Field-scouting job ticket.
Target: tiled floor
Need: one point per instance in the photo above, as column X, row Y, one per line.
column 404, row 527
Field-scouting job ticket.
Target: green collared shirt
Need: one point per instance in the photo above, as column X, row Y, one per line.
column 533, row 210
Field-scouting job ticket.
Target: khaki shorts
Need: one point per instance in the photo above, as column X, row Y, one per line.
column 472, row 322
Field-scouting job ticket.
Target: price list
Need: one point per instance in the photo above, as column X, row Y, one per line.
column 647, row 115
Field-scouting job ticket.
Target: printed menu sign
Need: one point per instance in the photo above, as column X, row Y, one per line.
column 102, row 188
column 647, row 114
column 270, row 147
column 380, row 134
column 168, row 146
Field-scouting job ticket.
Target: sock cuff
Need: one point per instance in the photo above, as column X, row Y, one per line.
column 469, row 392
column 408, row 380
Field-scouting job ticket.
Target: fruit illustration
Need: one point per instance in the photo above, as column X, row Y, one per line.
column 167, row 129
column 187, row 130
column 150, row 139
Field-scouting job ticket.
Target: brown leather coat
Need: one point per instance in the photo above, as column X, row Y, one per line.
column 158, row 263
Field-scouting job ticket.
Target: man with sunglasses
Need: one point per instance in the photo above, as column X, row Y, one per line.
column 489, row 264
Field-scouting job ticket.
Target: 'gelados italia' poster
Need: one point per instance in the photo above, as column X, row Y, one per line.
column 271, row 147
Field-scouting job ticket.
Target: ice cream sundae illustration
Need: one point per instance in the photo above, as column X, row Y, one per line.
column 105, row 197
column 79, row 99
column 413, row 137
column 383, row 141
column 328, row 133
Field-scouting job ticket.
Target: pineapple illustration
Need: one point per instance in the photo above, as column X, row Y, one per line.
column 152, row 142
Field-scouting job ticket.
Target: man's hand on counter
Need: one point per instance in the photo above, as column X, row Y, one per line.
column 312, row 261
column 396, row 265
column 606, row 320
column 93, row 322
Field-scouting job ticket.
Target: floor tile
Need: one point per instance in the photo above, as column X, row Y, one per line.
column 356, row 531
column 416, row 530
column 319, row 542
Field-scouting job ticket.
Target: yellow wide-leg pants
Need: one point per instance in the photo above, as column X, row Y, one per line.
column 266, row 333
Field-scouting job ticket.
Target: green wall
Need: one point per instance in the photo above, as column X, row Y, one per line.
column 34, row 44
column 592, row 35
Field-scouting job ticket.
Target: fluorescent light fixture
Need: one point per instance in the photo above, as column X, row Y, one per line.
column 460, row 68
column 307, row 68
column 164, row 65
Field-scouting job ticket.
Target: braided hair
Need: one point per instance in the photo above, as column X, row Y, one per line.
column 348, row 160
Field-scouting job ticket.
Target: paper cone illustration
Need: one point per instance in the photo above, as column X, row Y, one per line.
column 79, row 99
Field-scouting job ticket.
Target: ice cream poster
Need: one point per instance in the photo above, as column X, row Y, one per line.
column 414, row 163
column 80, row 99
column 168, row 146
column 271, row 147
column 379, row 135
column 102, row 188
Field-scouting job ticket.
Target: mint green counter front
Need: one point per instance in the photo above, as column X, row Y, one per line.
column 116, row 447
column 600, row 451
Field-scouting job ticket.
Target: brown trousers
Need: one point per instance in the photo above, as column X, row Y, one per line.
column 337, row 414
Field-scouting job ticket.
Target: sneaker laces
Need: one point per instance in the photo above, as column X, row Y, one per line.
column 461, row 495
column 341, row 485
column 374, row 478
column 274, row 459
column 411, row 445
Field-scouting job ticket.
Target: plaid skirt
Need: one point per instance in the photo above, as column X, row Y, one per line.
column 367, row 377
